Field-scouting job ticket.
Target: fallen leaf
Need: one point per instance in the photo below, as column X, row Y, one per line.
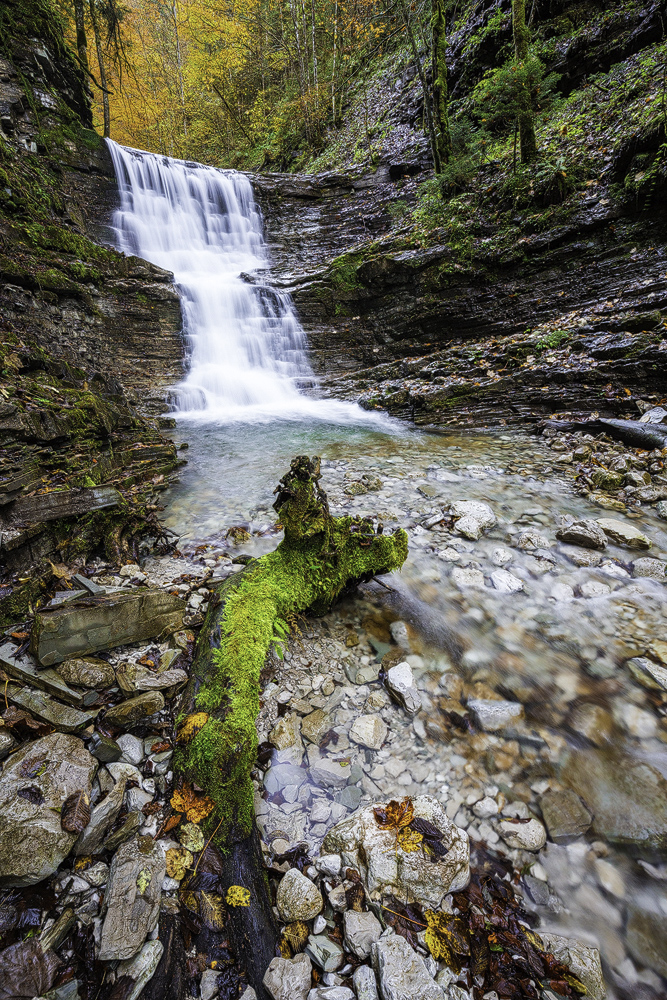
column 26, row 970
column 171, row 823
column 178, row 861
column 33, row 767
column 212, row 910
column 237, row 896
column 191, row 725
column 295, row 936
column 196, row 807
column 395, row 815
column 60, row 570
column 75, row 813
column 191, row 837
column 144, row 879
column 409, row 840
column 32, row 793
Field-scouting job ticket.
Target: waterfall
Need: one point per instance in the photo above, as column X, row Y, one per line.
column 246, row 347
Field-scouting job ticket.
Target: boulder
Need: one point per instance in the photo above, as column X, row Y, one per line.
column 33, row 787
column 402, row 972
column 493, row 715
column 88, row 672
column 387, row 869
column 627, row 797
column 401, row 685
column 624, row 533
column 647, row 933
column 133, row 710
column 362, row 930
column 369, row 731
column 583, row 960
column 132, row 898
column 587, row 534
column 565, row 815
column 103, row 621
column 298, row 898
column 288, row 978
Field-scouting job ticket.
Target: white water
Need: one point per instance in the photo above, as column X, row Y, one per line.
column 247, row 350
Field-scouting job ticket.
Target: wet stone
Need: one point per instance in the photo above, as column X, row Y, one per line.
column 298, row 898
column 365, row 985
column 654, row 569
column 369, row 731
column 649, row 673
column 647, row 933
column 87, row 672
column 104, row 748
column 492, row 716
column 530, row 836
column 315, row 725
column 624, row 533
column 401, row 685
column 583, row 961
column 362, row 930
column 132, row 898
column 288, row 978
column 135, row 709
column 402, row 972
column 102, row 818
column 325, row 953
column 565, row 815
column 41, row 705
column 587, row 534
column 141, row 968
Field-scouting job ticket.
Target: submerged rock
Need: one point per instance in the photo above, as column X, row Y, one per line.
column 530, row 836
column 369, row 731
column 583, row 960
column 586, row 533
column 647, row 933
column 565, row 815
column 491, row 715
column 33, row 787
column 387, row 869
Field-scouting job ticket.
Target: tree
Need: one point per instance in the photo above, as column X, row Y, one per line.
column 103, row 74
column 527, row 140
column 81, row 41
column 439, row 70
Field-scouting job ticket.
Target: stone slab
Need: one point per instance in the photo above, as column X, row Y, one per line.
column 25, row 669
column 64, row 717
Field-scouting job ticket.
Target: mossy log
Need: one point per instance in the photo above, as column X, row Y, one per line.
column 319, row 558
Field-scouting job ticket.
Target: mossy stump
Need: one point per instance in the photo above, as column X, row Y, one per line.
column 319, row 558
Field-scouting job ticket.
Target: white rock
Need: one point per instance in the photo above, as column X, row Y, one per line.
column 331, row 993
column 486, row 807
column 594, row 588
column 130, row 570
column 329, row 773
column 481, row 512
column 319, row 924
column 624, row 533
column 610, row 878
column 386, row 868
column 583, row 961
column 469, row 527
column 208, row 986
column 362, row 930
column 133, row 749
column 400, row 682
column 494, row 715
column 530, row 836
column 402, row 972
column 506, row 582
column 325, row 953
column 288, row 978
column 119, row 770
column 328, row 864
column 562, row 591
column 501, row 556
column 298, row 898
column 648, row 673
column 466, row 576
column 369, row 731
column 654, row 569
column 637, row 721
column 399, row 633
column 365, row 985
column 249, row 994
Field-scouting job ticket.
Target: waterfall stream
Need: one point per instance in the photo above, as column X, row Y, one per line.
column 247, row 352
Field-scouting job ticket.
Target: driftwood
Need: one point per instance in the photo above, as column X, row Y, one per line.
column 319, row 558
column 631, row 432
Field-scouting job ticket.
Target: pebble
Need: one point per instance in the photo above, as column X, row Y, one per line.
column 132, row 749
column 594, row 588
column 325, row 953
column 298, row 898
column 530, row 836
column 400, row 682
column 365, row 985
column 466, row 576
column 492, row 716
column 369, row 731
column 610, row 878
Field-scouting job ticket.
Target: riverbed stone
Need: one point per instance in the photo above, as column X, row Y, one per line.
column 624, row 533
column 315, row 725
column 285, row 733
column 582, row 959
column 468, row 576
column 653, row 569
column 132, row 899
column 587, row 534
column 102, row 818
column 386, row 868
column 402, row 972
column 530, row 836
column 649, row 673
column 565, row 815
column 32, row 841
column 626, row 797
column 288, row 978
column 88, row 672
column 328, row 773
column 401, row 685
column 647, row 933
column 362, row 930
column 492, row 716
column 298, row 898
column 593, row 722
column 476, row 510
column 369, row 731
column 141, row 968
column 129, row 712
column 365, row 984
column 331, row 993
column 506, row 583
column 325, row 953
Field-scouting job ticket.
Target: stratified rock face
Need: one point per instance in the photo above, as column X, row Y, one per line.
column 33, row 788
column 387, row 869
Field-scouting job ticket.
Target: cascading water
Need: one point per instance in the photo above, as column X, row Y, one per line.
column 247, row 348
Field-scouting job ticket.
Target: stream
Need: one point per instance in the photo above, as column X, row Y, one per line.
column 556, row 635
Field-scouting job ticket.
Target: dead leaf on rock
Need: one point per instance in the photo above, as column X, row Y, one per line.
column 32, row 793
column 409, row 840
column 75, row 813
column 178, row 861
column 26, row 970
column 196, row 807
column 395, row 815
column 191, row 837
column 212, row 910
column 294, row 937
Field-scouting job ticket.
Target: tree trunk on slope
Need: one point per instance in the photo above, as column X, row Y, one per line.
column 103, row 72
column 439, row 71
column 81, row 40
column 527, row 140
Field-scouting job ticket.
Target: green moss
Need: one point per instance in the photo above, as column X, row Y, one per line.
column 319, row 557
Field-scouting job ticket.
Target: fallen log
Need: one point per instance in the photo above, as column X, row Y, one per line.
column 632, row 432
column 319, row 558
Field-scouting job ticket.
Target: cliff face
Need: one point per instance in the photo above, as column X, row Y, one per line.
column 75, row 413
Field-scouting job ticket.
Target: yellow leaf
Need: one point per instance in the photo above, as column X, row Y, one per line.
column 196, row 807
column 191, row 726
column 296, row 935
column 576, row 984
column 143, row 880
column 212, row 910
column 237, row 896
column 534, row 939
column 409, row 840
column 178, row 861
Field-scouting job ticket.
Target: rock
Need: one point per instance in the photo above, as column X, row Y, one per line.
column 133, row 710
column 610, row 878
column 582, row 557
column 315, row 725
column 485, row 808
column 562, row 591
column 249, row 994
column 647, row 933
column 656, row 415
column 466, row 576
column 87, row 672
column 565, row 815
column 298, row 898
column 141, row 968
column 32, row 840
column 281, row 776
column 473, row 513
column 635, row 720
column 587, row 534
column 124, row 832
column 386, row 868
column 102, row 818
column 583, row 960
column 104, row 749
column 627, row 797
column 7, row 742
column 401, row 972
column 594, row 588
column 661, row 509
column 350, row 797
column 331, row 993
column 326, row 954
column 593, row 722
column 624, row 533
column 208, row 987
column 285, row 733
column 492, row 716
column 148, row 681
column 104, row 621
column 604, row 479
column 337, row 898
column 365, row 985
column 362, row 930
column 532, row 539
column 132, row 899
column 530, row 836
column 133, row 749
column 38, row 703
column 329, row 864
column 649, row 674
column 369, row 731
column 288, row 978
column 25, row 670
column 329, row 773
column 654, row 569
column 506, row 583
column 400, row 683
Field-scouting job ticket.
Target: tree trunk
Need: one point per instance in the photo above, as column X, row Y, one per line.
column 319, row 557
column 81, row 41
column 439, row 70
column 527, row 140
column 103, row 73
column 435, row 152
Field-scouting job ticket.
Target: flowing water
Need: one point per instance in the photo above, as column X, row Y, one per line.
column 542, row 625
